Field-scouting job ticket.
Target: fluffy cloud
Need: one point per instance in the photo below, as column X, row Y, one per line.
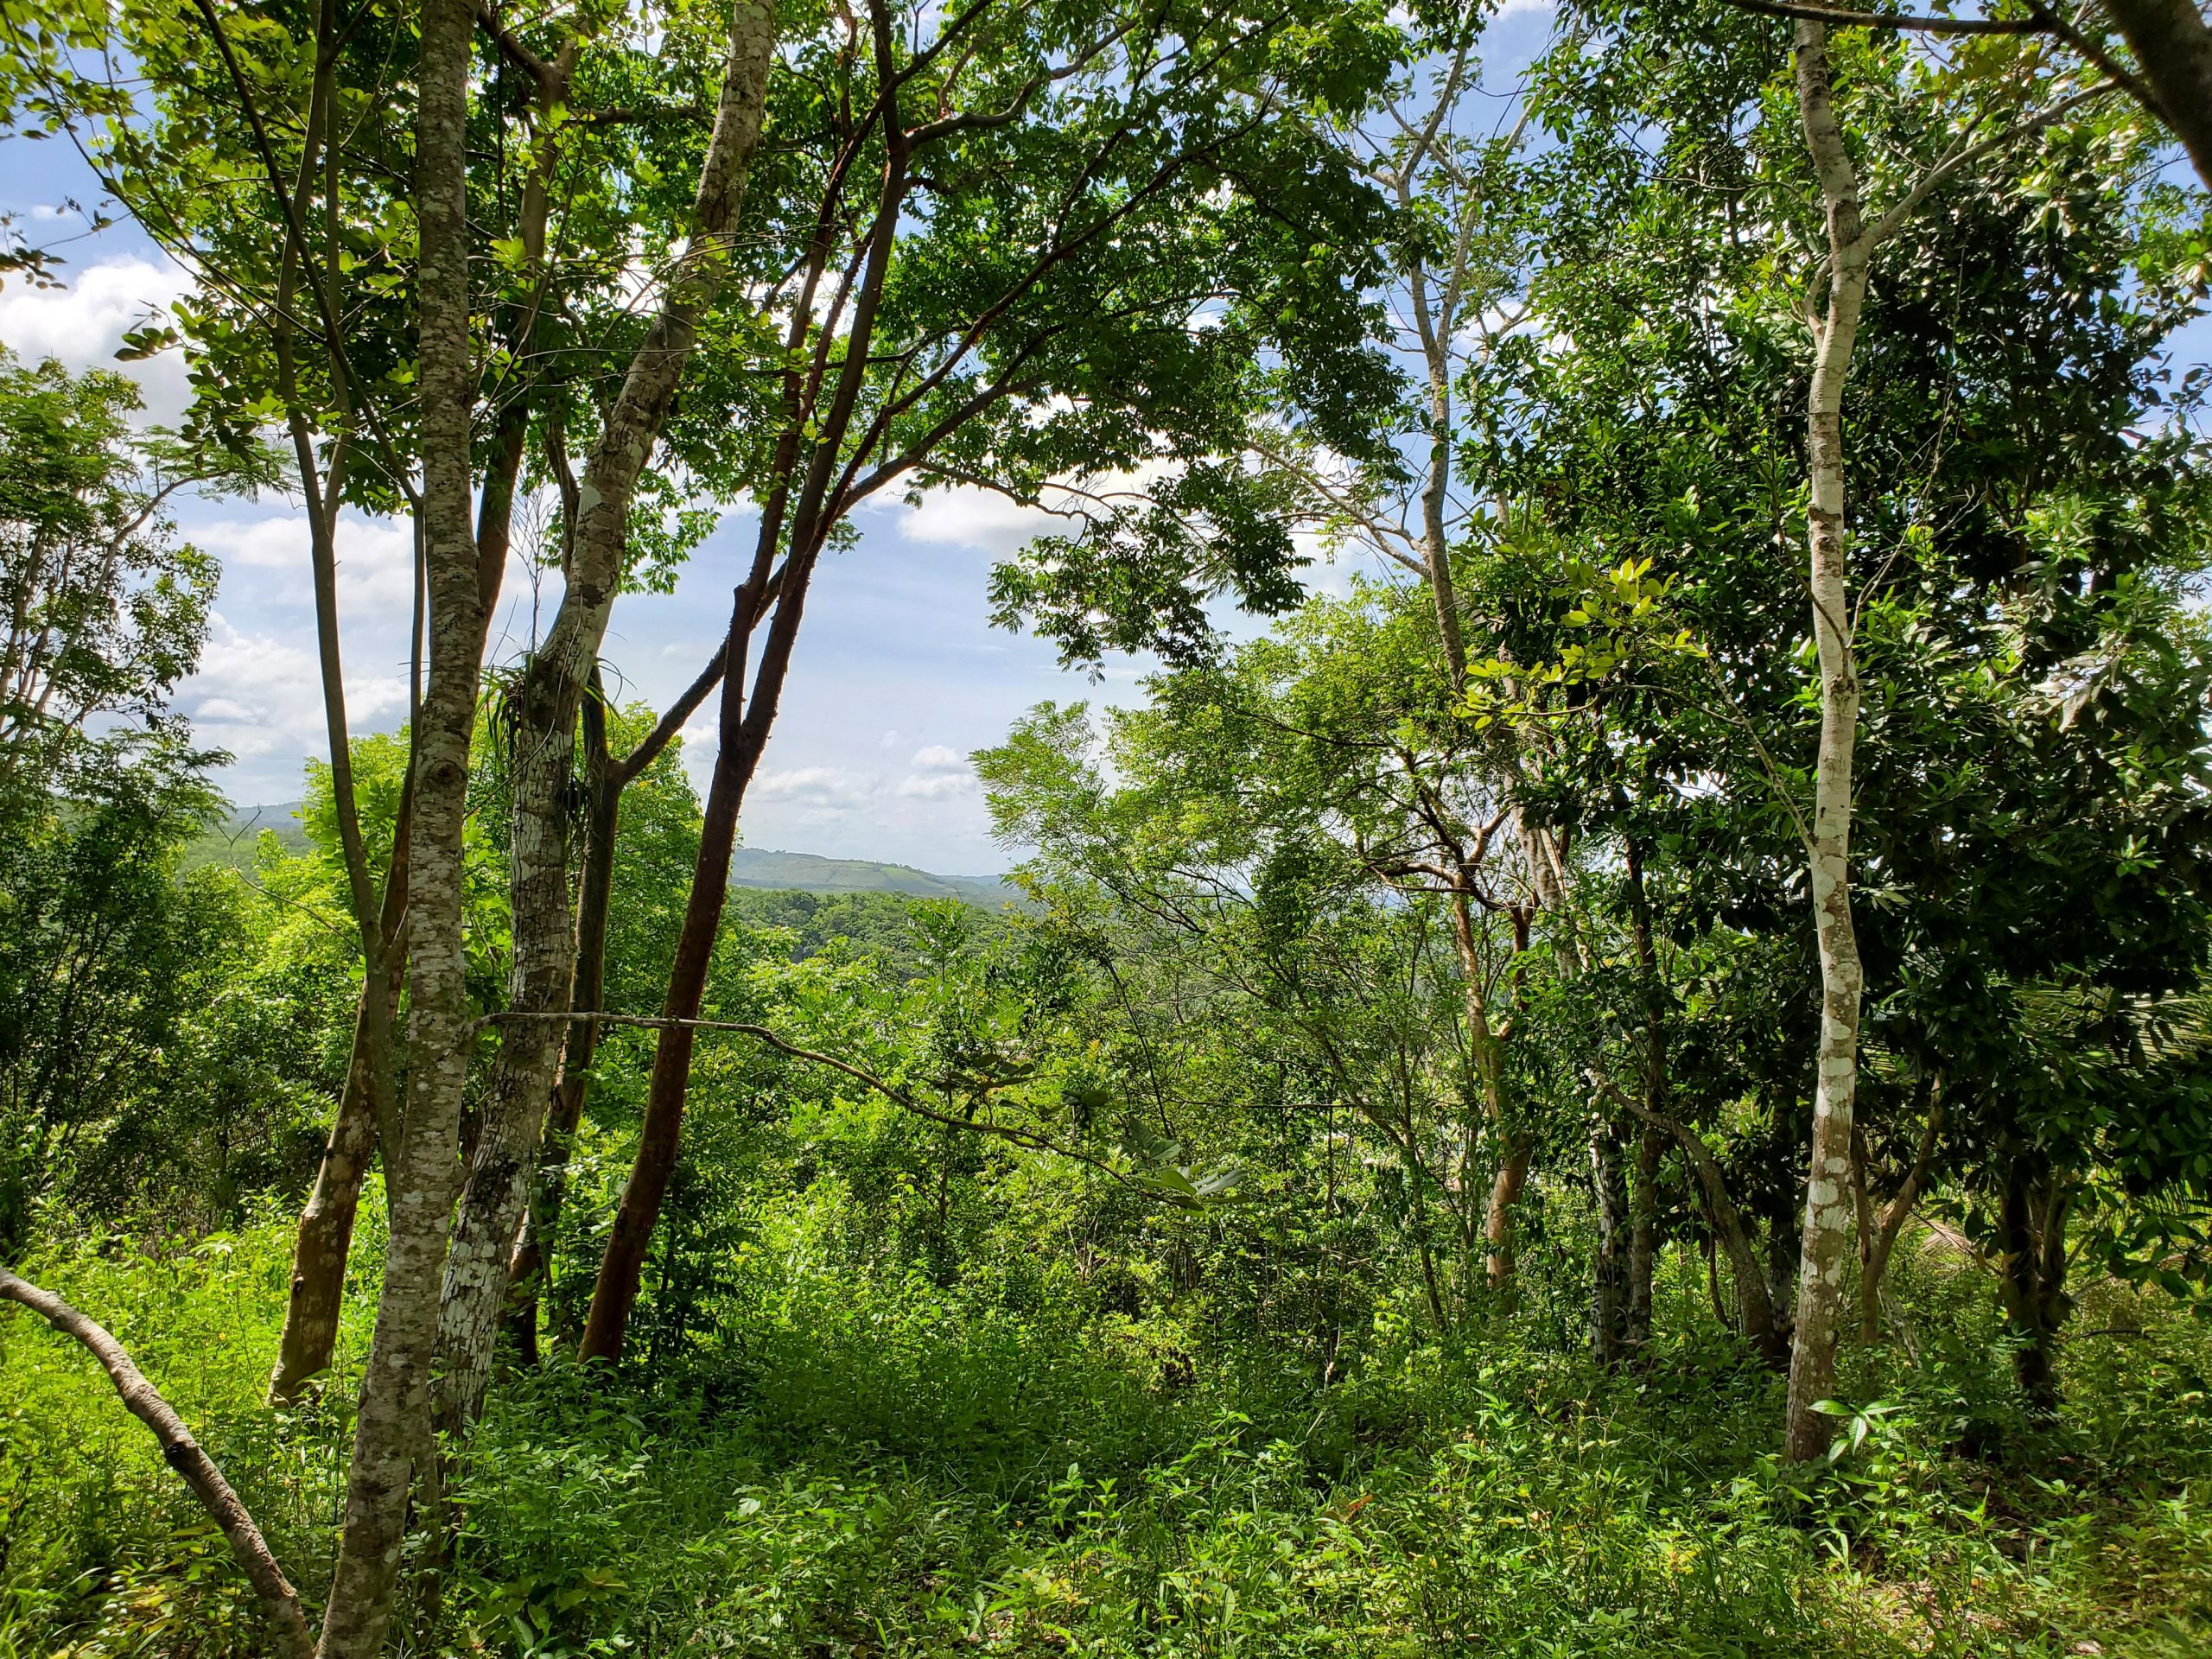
column 83, row 324
column 265, row 560
column 822, row 788
column 937, row 773
column 979, row 518
column 260, row 695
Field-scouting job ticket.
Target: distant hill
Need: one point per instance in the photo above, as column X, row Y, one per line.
column 232, row 842
column 756, row 867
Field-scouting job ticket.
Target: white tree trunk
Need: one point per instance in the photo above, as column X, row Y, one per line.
column 425, row 1174
column 1829, row 1208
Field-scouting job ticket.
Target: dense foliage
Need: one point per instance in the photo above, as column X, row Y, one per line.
column 1629, row 1071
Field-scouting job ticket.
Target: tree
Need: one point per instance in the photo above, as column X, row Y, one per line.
column 105, row 610
column 1116, row 230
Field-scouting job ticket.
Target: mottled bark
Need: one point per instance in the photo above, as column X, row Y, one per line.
column 528, row 1273
column 425, row 1175
column 544, row 714
column 288, row 1622
column 1826, row 1239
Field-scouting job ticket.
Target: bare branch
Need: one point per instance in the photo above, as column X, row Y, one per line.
column 186, row 1456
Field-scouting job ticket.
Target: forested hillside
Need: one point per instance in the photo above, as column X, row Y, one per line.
column 1599, row 1040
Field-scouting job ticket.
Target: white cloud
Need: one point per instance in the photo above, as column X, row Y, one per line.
column 83, row 324
column 267, row 561
column 981, row 518
column 937, row 773
column 936, row 786
column 260, row 695
column 822, row 788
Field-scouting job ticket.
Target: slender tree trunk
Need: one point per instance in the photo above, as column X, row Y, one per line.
column 622, row 1264
column 1754, row 1304
column 1877, row 1234
column 1827, row 1191
column 1506, row 1187
column 1643, row 1237
column 530, row 1274
column 2172, row 45
column 1644, row 1248
column 2032, row 1217
column 185, row 1455
column 326, row 1230
column 425, row 1174
column 1609, row 1272
column 744, row 726
column 553, row 684
column 1489, row 1055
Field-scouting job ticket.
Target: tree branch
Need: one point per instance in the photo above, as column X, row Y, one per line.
column 185, row 1455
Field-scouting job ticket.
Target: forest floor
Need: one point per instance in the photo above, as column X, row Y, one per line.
column 851, row 1467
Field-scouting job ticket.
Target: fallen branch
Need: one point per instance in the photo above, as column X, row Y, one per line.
column 186, row 1456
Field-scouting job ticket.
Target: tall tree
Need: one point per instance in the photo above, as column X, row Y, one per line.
column 1106, row 251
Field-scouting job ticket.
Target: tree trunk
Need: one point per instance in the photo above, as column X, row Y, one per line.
column 529, row 1273
column 622, row 1264
column 541, row 970
column 2032, row 1218
column 1643, row 1198
column 1827, row 1191
column 325, row 1231
column 744, row 726
column 1609, row 1288
column 2173, row 55
column 1877, row 1234
column 425, row 1175
column 1488, row 1052
column 1754, row 1304
column 1644, row 1238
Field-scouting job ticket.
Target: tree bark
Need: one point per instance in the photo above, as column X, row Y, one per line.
column 1643, row 1195
column 528, row 1273
column 326, row 1232
column 1755, row 1305
column 424, row 1175
column 622, row 1264
column 745, row 722
column 2032, row 1218
column 2172, row 46
column 184, row 1454
column 541, row 970
column 1609, row 1289
column 1643, row 1237
column 1877, row 1234
column 1828, row 1192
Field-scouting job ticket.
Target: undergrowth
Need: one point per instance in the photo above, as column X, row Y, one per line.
column 872, row 1466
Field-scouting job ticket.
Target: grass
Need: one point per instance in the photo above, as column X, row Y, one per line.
column 863, row 1467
